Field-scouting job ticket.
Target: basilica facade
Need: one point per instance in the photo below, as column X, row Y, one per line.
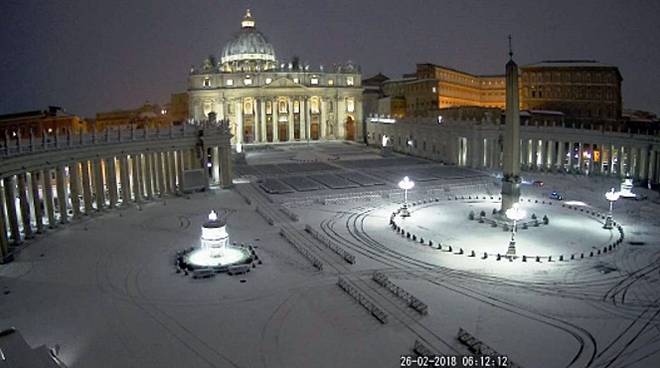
column 266, row 100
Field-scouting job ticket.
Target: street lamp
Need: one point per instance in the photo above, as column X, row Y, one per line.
column 405, row 184
column 612, row 197
column 516, row 214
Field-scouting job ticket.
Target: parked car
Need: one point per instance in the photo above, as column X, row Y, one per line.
column 556, row 195
column 538, row 183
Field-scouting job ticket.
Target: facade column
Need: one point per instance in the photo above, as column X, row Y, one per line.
column 256, row 122
column 135, row 185
column 524, row 160
column 36, row 202
column 275, row 110
column 226, row 174
column 87, row 186
column 324, row 117
column 48, row 198
column 215, row 169
column 262, row 112
column 74, row 186
column 125, row 181
column 111, row 179
column 24, row 205
column 148, row 177
column 291, row 128
column 303, row 118
column 239, row 121
column 61, row 194
column 10, row 201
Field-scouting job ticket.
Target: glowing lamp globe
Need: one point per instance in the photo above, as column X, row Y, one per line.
column 406, row 183
column 612, row 196
column 515, row 213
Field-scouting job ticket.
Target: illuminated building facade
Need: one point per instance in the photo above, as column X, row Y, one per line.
column 267, row 101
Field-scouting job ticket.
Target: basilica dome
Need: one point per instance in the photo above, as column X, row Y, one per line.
column 249, row 50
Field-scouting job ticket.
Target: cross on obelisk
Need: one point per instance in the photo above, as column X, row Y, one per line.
column 511, row 148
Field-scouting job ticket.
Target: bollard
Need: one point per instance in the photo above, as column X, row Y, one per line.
column 460, row 251
column 538, row 259
column 499, row 257
column 572, row 257
column 485, row 256
column 421, row 240
column 604, row 249
column 449, row 249
column 524, row 259
column 561, row 257
column 598, row 251
column 408, row 235
column 591, row 254
column 472, row 254
column 549, row 258
column 581, row 255
column 414, row 237
column 430, row 243
column 439, row 246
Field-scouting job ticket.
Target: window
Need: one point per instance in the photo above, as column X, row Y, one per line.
column 282, row 107
column 229, row 82
column 350, row 104
column 247, row 106
column 269, row 107
column 247, row 81
column 314, row 81
column 331, row 82
column 330, row 106
column 269, row 80
column 315, row 105
column 434, row 89
column 207, row 82
column 296, row 107
column 296, row 80
column 349, row 81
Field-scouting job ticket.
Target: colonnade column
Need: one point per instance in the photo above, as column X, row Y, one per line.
column 74, row 187
column 148, row 177
column 98, row 185
column 10, row 200
column 561, row 156
column 652, row 170
column 570, row 156
column 623, row 160
column 579, row 156
column 543, row 154
column 4, row 241
column 125, row 181
column 262, row 112
column 135, row 185
column 642, row 163
column 36, row 202
column 535, row 159
column 159, row 171
column 61, row 194
column 87, row 186
column 111, row 176
column 171, row 172
column 611, row 158
column 550, row 159
column 48, row 198
column 24, row 205
column 180, row 167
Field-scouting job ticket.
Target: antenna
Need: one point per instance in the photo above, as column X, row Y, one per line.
column 510, row 49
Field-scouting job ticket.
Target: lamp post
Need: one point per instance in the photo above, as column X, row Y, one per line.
column 405, row 184
column 516, row 214
column 612, row 197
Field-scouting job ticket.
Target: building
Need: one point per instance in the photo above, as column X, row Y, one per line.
column 38, row 122
column 268, row 101
column 148, row 115
column 583, row 90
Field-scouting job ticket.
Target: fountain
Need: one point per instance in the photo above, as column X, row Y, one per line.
column 215, row 249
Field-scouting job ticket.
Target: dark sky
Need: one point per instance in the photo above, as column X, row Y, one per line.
column 90, row 56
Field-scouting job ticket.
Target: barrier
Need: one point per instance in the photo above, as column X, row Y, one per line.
column 414, row 303
column 348, row 257
column 478, row 347
column 304, row 251
column 363, row 301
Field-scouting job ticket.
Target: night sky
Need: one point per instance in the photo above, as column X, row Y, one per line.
column 90, row 56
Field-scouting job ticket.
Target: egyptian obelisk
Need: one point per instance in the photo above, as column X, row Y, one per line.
column 511, row 148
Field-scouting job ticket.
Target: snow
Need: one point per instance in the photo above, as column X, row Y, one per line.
column 105, row 290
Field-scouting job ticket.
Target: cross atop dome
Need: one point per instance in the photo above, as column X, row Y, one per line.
column 248, row 21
